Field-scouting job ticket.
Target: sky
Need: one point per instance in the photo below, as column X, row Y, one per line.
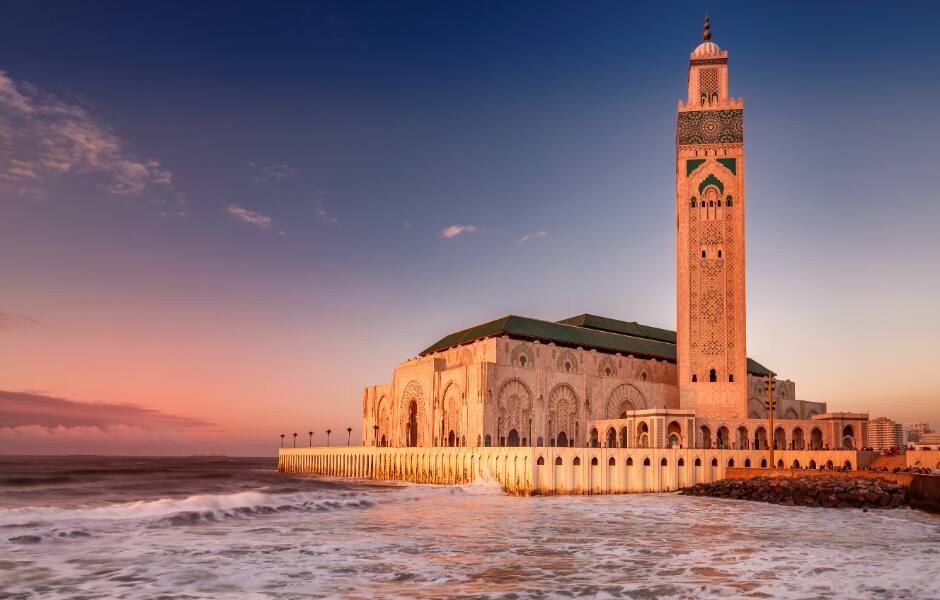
column 219, row 221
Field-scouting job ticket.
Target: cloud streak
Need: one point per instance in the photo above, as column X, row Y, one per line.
column 249, row 216
column 455, row 230
column 532, row 236
column 43, row 138
column 321, row 211
column 27, row 409
column 10, row 321
column 269, row 173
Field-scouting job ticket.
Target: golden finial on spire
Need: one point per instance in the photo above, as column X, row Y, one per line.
column 707, row 34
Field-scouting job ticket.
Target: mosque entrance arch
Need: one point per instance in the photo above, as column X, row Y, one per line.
column 513, row 438
column 411, row 428
column 562, row 440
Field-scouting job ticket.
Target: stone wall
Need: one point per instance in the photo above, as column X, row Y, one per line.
column 539, row 471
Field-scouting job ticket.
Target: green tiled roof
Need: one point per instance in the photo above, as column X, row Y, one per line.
column 587, row 331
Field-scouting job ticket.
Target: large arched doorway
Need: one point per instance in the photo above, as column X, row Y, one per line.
column 723, row 437
column 760, row 439
column 562, row 440
column 611, row 437
column 623, row 437
column 643, row 435
column 742, row 440
column 513, row 438
column 412, row 426
column 673, row 435
column 798, row 442
column 815, row 439
column 706, row 437
column 848, row 438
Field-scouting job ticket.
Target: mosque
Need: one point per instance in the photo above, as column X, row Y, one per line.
column 594, row 381
column 592, row 404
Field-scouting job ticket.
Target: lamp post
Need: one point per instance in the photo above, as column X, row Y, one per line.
column 769, row 386
column 348, row 434
column 328, row 432
column 295, row 440
column 282, row 440
column 310, row 433
column 375, row 435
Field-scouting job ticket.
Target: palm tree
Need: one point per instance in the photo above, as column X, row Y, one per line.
column 348, row 433
column 282, row 440
column 295, row 440
column 310, row 433
column 328, row 432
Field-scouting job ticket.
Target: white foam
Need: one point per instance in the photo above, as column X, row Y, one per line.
column 218, row 505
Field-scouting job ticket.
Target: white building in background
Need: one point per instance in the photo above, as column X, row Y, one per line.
column 915, row 431
column 883, row 433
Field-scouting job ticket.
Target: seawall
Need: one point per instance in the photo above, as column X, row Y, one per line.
column 549, row 470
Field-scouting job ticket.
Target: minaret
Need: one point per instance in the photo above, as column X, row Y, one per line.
column 710, row 206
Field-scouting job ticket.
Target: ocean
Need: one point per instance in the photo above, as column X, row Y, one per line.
column 98, row 527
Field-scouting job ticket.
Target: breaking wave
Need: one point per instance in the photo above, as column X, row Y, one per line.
column 194, row 509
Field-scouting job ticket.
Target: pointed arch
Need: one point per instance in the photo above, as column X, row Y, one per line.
column 623, row 398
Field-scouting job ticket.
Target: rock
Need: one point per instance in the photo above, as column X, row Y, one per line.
column 809, row 490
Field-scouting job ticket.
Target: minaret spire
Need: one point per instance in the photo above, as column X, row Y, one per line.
column 707, row 34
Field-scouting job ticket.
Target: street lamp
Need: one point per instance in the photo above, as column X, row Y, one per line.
column 282, row 440
column 348, row 434
column 769, row 386
column 328, row 432
column 310, row 433
column 295, row 440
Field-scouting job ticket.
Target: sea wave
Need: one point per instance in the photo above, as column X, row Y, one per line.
column 193, row 509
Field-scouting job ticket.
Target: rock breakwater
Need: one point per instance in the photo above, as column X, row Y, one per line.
column 829, row 492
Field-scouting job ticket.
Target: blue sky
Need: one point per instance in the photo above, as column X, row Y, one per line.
column 258, row 223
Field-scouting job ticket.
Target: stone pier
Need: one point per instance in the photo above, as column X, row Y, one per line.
column 530, row 471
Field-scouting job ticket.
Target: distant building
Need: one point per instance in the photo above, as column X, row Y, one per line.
column 916, row 430
column 930, row 439
column 883, row 433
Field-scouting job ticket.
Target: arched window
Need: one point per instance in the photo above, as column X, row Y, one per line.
column 714, row 462
column 681, row 462
column 730, row 462
column 630, row 461
column 747, row 463
column 711, row 204
column 540, row 461
column 694, row 378
column 611, row 462
column 712, row 376
column 558, row 462
column 728, row 201
column 607, row 371
column 719, row 254
column 730, row 378
column 646, row 462
column 663, row 463
column 577, row 461
column 488, row 440
column 594, row 462
column 540, row 442
column 692, row 203
column 703, row 254
column 698, row 462
column 522, row 360
column 719, row 204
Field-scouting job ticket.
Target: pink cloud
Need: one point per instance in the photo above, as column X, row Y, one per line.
column 455, row 230
column 249, row 216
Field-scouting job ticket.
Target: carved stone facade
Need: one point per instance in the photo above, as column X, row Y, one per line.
column 711, row 339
